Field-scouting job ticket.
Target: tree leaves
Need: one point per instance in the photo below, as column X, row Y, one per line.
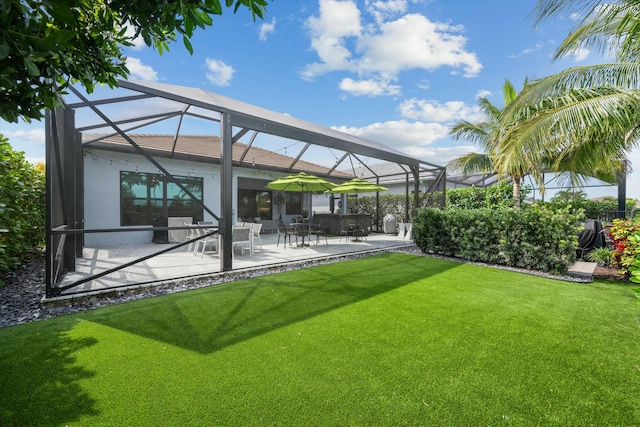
column 22, row 207
column 47, row 45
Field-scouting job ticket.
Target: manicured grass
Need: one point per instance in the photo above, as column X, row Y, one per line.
column 389, row 340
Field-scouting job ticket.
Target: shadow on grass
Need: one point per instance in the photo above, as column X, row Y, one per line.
column 38, row 380
column 209, row 319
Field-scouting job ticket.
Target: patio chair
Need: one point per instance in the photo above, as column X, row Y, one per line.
column 320, row 230
column 205, row 241
column 241, row 236
column 255, row 235
column 347, row 232
column 283, row 231
column 192, row 233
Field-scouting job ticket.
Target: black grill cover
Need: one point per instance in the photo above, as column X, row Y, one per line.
column 591, row 237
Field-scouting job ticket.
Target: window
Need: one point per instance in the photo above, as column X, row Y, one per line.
column 254, row 204
column 149, row 198
column 293, row 203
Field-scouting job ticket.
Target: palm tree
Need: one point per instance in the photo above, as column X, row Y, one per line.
column 582, row 131
column 569, row 195
column 494, row 136
column 586, row 115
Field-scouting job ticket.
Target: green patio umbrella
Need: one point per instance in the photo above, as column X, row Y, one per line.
column 356, row 186
column 302, row 183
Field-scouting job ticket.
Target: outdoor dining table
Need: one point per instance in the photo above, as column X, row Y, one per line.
column 302, row 229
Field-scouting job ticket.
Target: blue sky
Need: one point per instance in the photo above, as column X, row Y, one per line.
column 399, row 72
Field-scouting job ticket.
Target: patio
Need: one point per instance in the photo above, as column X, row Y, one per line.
column 183, row 264
column 213, row 165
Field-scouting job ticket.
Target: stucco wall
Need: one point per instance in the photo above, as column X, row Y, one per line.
column 102, row 191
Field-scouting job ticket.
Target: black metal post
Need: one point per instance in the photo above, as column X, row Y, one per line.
column 226, row 191
column 622, row 191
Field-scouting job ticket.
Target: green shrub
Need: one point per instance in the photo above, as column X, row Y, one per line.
column 634, row 267
column 594, row 209
column 603, row 256
column 22, row 207
column 634, row 270
column 499, row 195
column 532, row 237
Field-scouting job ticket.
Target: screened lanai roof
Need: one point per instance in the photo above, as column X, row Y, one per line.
column 149, row 108
column 391, row 173
column 203, row 148
column 251, row 117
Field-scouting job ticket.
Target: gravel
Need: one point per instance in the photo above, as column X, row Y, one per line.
column 21, row 297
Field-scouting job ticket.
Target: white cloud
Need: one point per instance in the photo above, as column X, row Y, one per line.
column 385, row 9
column 219, row 73
column 338, row 20
column 433, row 111
column 140, row 71
column 581, row 54
column 138, row 42
column 266, row 29
column 368, row 87
column 439, row 155
column 537, row 47
column 424, row 84
column 527, row 51
column 401, row 133
column 381, row 50
column 414, row 41
column 34, row 136
column 483, row 93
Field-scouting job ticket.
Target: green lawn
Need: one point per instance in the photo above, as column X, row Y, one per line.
column 389, row 340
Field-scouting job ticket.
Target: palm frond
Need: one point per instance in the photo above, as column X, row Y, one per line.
column 571, row 118
column 474, row 132
column 471, row 163
column 548, row 8
column 622, row 75
column 508, row 92
column 492, row 112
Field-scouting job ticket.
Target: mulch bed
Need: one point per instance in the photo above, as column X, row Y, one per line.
column 609, row 274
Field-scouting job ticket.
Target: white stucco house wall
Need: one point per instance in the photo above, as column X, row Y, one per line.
column 106, row 160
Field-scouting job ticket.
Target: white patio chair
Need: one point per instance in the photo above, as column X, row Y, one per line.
column 241, row 236
column 192, row 233
column 204, row 241
column 255, row 235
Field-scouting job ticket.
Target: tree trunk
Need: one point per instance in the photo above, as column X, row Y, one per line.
column 516, row 191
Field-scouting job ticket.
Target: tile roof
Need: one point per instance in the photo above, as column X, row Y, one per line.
column 206, row 148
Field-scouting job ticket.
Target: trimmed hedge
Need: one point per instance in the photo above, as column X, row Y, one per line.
column 495, row 196
column 532, row 237
column 22, row 208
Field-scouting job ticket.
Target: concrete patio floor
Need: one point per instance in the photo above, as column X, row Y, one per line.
column 181, row 263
